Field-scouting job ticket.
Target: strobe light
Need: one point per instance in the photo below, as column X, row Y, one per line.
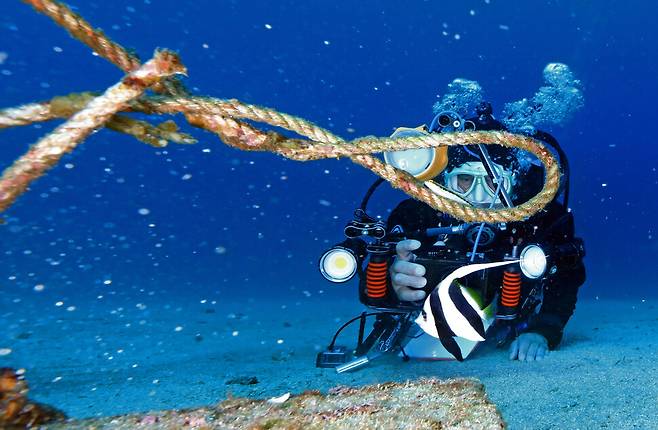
column 338, row 264
column 533, row 261
column 422, row 163
column 413, row 161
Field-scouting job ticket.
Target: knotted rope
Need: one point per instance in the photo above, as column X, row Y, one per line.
column 226, row 119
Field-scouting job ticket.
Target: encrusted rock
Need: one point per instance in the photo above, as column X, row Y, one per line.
column 419, row 404
column 16, row 410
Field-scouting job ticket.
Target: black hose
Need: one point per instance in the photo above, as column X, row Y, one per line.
column 333, row 340
column 371, row 190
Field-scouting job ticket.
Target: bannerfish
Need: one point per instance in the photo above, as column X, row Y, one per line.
column 450, row 310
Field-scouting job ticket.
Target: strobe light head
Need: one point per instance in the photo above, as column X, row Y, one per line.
column 338, row 264
column 533, row 261
column 422, row 163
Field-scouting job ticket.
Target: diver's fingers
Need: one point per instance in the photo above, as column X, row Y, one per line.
column 403, row 280
column 514, row 350
column 404, row 248
column 532, row 352
column 407, row 294
column 406, row 267
column 541, row 353
column 523, row 350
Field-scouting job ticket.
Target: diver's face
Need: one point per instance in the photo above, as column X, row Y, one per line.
column 471, row 182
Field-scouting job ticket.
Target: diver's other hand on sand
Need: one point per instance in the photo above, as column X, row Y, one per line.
column 529, row 347
column 407, row 278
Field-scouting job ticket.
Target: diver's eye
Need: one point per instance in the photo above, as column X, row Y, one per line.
column 464, row 181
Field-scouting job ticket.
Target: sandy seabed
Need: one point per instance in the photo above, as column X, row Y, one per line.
column 114, row 360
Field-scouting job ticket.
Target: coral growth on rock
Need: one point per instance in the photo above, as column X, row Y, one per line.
column 420, row 404
column 16, row 410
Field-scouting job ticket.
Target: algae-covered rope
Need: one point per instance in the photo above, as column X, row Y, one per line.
column 226, row 119
column 48, row 151
column 81, row 30
column 249, row 138
column 218, row 116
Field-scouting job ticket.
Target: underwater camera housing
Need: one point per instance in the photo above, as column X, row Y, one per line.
column 439, row 262
column 393, row 318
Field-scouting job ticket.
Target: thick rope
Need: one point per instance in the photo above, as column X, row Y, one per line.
column 26, row 114
column 249, row 138
column 47, row 152
column 80, row 29
column 218, row 116
column 226, row 119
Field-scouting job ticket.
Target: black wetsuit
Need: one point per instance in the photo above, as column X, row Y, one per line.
column 553, row 225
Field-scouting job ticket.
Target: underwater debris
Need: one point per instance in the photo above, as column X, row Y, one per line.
column 226, row 119
column 279, row 400
column 419, row 404
column 243, row 380
column 16, row 410
column 47, row 152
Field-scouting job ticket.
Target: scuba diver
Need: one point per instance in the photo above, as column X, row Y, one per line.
column 439, row 286
column 536, row 332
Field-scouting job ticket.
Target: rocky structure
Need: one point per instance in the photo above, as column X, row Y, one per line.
column 420, row 404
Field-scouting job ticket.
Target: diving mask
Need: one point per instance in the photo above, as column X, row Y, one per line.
column 471, row 182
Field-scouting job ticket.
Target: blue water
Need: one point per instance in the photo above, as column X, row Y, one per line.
column 123, row 220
